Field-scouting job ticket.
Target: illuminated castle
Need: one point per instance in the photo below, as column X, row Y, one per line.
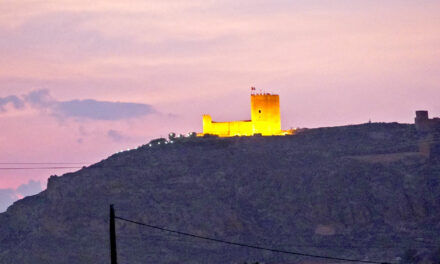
column 265, row 119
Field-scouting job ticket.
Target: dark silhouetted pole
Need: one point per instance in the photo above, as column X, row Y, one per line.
column 113, row 255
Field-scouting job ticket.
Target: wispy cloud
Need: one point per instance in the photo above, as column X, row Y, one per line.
column 79, row 109
column 30, row 188
column 115, row 135
column 8, row 196
column 100, row 110
column 15, row 101
column 39, row 98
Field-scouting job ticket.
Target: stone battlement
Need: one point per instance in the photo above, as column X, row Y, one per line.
column 425, row 124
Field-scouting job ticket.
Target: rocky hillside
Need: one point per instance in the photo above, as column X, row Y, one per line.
column 356, row 191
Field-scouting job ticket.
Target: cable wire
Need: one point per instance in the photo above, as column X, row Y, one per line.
column 42, row 163
column 252, row 246
column 38, row 168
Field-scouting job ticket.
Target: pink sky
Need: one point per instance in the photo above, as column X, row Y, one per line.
column 172, row 61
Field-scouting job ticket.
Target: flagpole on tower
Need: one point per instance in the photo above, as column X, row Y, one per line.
column 253, row 90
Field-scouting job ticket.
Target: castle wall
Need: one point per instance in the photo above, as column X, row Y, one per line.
column 226, row 129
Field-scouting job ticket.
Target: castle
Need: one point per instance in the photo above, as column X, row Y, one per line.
column 265, row 120
column 429, row 144
column 425, row 124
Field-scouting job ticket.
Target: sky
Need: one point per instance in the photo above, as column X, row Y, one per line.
column 81, row 80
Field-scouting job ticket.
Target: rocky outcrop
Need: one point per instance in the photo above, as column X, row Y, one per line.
column 305, row 193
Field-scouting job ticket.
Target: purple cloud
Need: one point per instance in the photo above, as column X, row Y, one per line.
column 30, row 188
column 17, row 102
column 80, row 109
column 7, row 197
column 115, row 135
column 101, row 110
column 39, row 98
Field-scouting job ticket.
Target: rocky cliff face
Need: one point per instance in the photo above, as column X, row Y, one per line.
column 356, row 191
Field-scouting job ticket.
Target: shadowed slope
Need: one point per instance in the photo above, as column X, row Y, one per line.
column 311, row 192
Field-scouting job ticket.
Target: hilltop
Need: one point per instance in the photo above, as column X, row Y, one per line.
column 361, row 191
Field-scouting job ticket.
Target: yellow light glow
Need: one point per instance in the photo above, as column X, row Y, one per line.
column 265, row 120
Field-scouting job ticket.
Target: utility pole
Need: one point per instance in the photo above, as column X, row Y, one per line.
column 113, row 255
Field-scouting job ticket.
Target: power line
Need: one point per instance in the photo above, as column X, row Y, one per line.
column 122, row 166
column 317, row 246
column 407, row 144
column 251, row 246
column 39, row 168
column 41, row 163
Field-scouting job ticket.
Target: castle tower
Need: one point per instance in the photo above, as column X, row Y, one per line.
column 265, row 114
column 207, row 124
column 425, row 124
column 422, row 115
